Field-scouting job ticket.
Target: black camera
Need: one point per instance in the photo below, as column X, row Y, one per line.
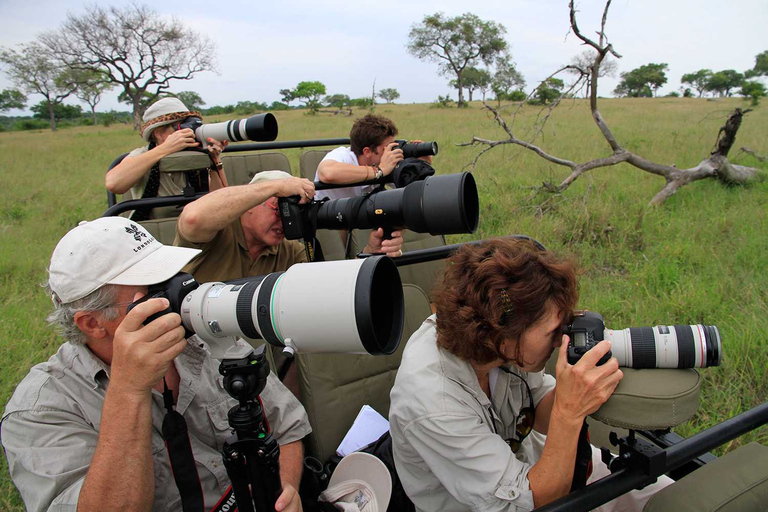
column 662, row 346
column 439, row 205
column 261, row 127
column 416, row 149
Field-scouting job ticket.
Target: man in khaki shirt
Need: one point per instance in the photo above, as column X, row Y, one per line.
column 240, row 232
column 83, row 430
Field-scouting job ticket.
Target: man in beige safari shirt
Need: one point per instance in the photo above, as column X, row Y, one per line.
column 83, row 430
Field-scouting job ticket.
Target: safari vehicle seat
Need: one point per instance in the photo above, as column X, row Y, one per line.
column 240, row 168
column 735, row 481
column 334, row 387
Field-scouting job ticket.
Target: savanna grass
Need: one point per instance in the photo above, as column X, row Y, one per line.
column 699, row 258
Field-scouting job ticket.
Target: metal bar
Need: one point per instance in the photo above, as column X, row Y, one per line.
column 286, row 144
column 151, row 202
column 624, row 480
column 438, row 253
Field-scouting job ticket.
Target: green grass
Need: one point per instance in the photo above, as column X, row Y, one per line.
column 700, row 257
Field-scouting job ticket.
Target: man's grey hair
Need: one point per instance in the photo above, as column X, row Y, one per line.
column 62, row 318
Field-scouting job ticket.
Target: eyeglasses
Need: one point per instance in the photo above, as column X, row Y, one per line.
column 272, row 205
column 525, row 419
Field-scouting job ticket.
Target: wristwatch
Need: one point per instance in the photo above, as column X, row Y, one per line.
column 379, row 173
column 216, row 167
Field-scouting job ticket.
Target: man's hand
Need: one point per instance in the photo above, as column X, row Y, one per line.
column 582, row 388
column 289, row 500
column 378, row 245
column 427, row 158
column 390, row 158
column 287, row 187
column 179, row 140
column 142, row 353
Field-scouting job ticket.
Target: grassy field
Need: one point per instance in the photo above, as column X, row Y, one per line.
column 699, row 258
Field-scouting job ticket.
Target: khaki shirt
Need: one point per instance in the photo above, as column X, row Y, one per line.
column 50, row 426
column 226, row 257
column 448, row 437
column 171, row 184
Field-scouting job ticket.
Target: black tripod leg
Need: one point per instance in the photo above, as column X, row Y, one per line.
column 237, row 471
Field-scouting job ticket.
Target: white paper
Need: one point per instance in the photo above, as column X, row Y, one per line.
column 367, row 428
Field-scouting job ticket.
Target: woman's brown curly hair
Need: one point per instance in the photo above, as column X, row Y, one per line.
column 494, row 291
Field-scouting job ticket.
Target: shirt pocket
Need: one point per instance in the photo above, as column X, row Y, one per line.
column 217, row 414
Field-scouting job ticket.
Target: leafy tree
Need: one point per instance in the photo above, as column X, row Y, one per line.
column 60, row 111
column 549, row 90
column 33, row 70
column 643, row 81
column 245, row 108
column 687, row 93
column 389, row 95
column 134, row 47
column 698, row 80
column 761, row 66
column 361, row 102
column 506, row 79
column 90, row 86
column 310, row 92
column 278, row 105
column 219, row 110
column 337, row 100
column 287, row 96
column 11, row 98
column 457, row 43
column 753, row 90
column 192, row 100
column 474, row 79
column 723, row 82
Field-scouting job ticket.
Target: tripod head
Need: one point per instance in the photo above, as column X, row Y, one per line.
column 251, row 455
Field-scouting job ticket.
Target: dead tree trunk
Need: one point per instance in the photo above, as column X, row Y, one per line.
column 716, row 166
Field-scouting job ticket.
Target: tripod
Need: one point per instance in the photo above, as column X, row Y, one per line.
column 251, row 455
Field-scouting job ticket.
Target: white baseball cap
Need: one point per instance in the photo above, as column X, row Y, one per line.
column 111, row 250
column 361, row 482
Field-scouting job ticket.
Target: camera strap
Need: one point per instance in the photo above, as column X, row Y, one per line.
column 583, row 467
column 183, row 465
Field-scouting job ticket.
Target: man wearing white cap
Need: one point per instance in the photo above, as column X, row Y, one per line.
column 83, row 430
column 240, row 232
column 139, row 171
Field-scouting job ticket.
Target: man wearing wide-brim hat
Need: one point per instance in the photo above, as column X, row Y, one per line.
column 139, row 171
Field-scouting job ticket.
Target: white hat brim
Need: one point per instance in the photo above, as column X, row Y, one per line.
column 158, row 266
column 368, row 468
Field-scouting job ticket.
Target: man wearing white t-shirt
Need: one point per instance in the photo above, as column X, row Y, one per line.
column 372, row 153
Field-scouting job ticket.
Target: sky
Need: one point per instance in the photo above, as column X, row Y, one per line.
column 263, row 47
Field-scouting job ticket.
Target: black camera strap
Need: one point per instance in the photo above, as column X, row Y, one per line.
column 583, row 468
column 183, row 465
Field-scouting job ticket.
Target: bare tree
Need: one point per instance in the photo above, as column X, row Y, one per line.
column 715, row 166
column 33, row 70
column 134, row 47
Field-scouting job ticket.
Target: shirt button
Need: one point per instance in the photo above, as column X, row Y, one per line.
column 511, row 494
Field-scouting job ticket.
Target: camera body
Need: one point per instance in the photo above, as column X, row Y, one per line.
column 661, row 346
column 585, row 330
column 416, row 149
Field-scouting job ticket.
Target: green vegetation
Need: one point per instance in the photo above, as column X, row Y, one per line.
column 702, row 257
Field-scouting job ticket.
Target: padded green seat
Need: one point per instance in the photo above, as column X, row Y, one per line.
column 240, row 168
column 652, row 399
column 737, row 481
column 648, row 399
column 334, row 387
column 164, row 230
column 308, row 162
